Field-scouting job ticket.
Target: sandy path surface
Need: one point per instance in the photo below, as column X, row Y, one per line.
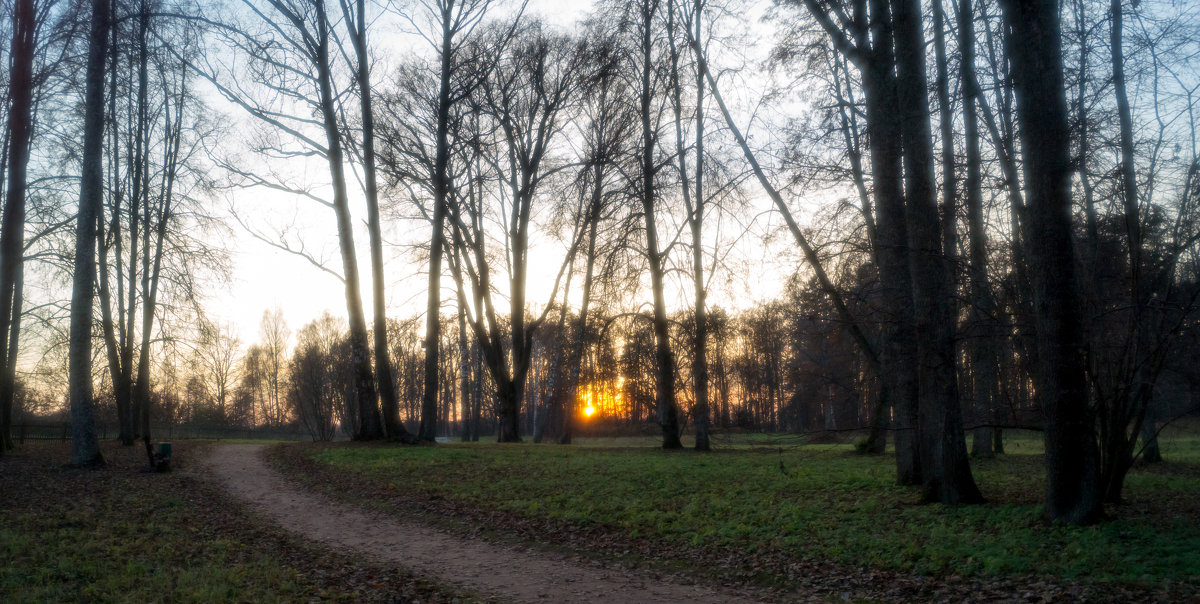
column 483, row 568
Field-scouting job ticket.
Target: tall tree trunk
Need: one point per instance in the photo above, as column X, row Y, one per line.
column 151, row 272
column 428, row 429
column 370, row 426
column 1072, row 457
column 357, row 24
column 464, row 361
column 949, row 208
column 139, row 203
column 477, row 382
column 700, row 411
column 522, row 338
column 664, row 357
column 1121, row 419
column 984, row 358
column 877, row 436
column 14, row 340
column 1151, row 453
column 945, row 470
column 85, row 447
column 122, row 388
column 695, row 219
column 12, row 234
column 898, row 350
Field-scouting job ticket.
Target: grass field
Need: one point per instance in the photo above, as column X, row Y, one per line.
column 772, row 497
column 120, row 534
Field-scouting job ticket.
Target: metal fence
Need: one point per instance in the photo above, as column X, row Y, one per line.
column 62, row 431
column 50, row 431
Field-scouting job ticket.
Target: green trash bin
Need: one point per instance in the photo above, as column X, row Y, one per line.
column 164, row 450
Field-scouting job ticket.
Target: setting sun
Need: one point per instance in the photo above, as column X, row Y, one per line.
column 589, row 410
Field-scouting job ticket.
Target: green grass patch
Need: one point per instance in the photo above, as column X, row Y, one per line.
column 116, row 534
column 119, row 534
column 816, row 502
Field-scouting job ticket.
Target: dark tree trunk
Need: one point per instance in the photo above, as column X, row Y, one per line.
column 433, row 306
column 370, row 426
column 877, row 437
column 464, row 361
column 664, row 357
column 898, row 352
column 982, row 347
column 945, row 469
column 12, row 235
column 700, row 411
column 949, row 208
column 1072, row 457
column 138, row 200
column 357, row 26
column 85, row 447
column 1150, row 450
column 694, row 202
column 1121, row 418
column 151, row 272
column 14, row 340
column 508, row 399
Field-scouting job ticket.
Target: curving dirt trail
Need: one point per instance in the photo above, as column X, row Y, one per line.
column 487, row 569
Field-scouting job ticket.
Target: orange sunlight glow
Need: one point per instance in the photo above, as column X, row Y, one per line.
column 601, row 399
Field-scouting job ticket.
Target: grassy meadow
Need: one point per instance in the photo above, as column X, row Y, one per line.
column 774, row 497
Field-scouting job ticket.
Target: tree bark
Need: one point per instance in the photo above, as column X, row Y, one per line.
column 1072, row 457
column 898, row 350
column 85, row 447
column 433, row 306
column 945, row 470
column 700, row 411
column 982, row 347
column 357, row 25
column 370, row 426
column 464, row 361
column 664, row 357
column 151, row 273
column 1121, row 419
column 1151, row 453
column 12, row 235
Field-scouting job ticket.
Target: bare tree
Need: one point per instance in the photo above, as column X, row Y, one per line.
column 159, row 123
column 355, row 21
column 273, row 334
column 945, row 471
column 607, row 129
column 314, row 387
column 523, row 98
column 418, row 152
column 1072, row 457
column 644, row 57
column 85, row 448
column 291, row 59
column 217, row 362
column 12, row 234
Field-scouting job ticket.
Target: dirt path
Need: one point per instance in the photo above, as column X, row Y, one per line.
column 483, row 568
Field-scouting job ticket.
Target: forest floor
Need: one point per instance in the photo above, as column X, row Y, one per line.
column 492, row 570
column 775, row 523
column 123, row 534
